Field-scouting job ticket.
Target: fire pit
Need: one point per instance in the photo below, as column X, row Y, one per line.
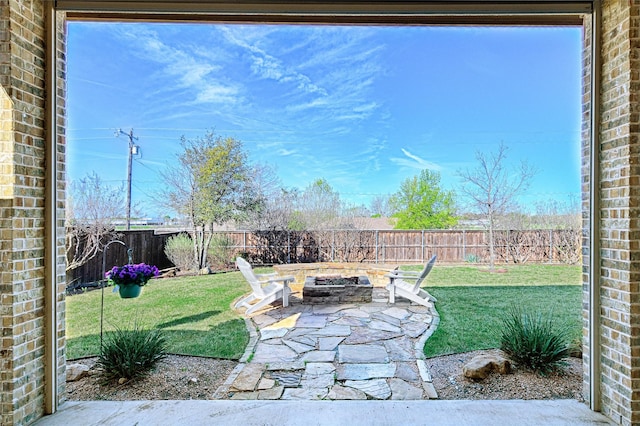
column 336, row 289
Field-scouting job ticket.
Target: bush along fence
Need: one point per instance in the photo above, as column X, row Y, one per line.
column 368, row 246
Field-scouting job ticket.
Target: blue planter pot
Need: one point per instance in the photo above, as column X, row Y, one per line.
column 129, row 291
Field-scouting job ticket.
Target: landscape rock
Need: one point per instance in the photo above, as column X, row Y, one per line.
column 482, row 365
column 77, row 372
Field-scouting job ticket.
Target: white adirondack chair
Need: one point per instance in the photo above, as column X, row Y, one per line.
column 265, row 288
column 407, row 284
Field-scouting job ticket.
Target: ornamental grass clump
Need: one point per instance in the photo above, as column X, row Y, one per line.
column 533, row 340
column 131, row 354
column 138, row 274
column 179, row 250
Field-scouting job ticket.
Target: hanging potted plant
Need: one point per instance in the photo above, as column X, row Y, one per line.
column 130, row 278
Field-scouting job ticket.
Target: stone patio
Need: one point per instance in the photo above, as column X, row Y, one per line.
column 352, row 351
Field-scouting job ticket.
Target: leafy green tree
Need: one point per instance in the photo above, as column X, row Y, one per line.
column 422, row 204
column 211, row 183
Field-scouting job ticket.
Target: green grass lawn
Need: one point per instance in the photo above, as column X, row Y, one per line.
column 515, row 275
column 194, row 312
column 471, row 302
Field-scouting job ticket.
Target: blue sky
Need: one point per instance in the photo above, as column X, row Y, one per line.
column 362, row 107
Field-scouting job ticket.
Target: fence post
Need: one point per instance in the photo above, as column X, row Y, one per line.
column 550, row 245
column 244, row 241
column 384, row 259
column 376, row 246
column 333, row 245
column 288, row 246
column 422, row 245
column 464, row 245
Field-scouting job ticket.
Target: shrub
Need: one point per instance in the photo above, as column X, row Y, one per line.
column 533, row 340
column 220, row 254
column 179, row 250
column 131, row 353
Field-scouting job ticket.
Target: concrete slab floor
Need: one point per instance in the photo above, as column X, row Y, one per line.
column 330, row 413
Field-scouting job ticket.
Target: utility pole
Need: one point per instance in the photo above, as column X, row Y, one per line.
column 133, row 149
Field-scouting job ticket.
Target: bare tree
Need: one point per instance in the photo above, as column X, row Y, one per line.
column 380, row 206
column 320, row 206
column 554, row 214
column 303, row 226
column 92, row 208
column 276, row 226
column 276, row 205
column 492, row 188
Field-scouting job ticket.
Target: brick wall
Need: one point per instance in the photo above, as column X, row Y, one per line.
column 586, row 182
column 619, row 209
column 60, row 185
column 22, row 212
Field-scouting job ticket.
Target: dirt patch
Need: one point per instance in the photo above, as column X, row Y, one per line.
column 186, row 377
column 450, row 382
column 175, row 377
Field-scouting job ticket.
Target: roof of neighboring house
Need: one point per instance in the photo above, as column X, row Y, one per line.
column 379, row 223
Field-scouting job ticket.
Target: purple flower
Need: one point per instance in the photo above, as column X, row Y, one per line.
column 131, row 274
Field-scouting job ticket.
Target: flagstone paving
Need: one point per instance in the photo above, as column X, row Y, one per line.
column 342, row 352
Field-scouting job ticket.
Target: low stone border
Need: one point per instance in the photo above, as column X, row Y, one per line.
column 254, row 336
column 375, row 272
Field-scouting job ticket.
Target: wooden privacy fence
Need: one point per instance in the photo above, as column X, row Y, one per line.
column 368, row 246
column 401, row 246
column 147, row 246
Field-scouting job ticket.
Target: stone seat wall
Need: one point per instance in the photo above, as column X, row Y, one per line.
column 375, row 272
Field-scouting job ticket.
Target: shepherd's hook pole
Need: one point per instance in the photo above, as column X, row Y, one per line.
column 104, row 272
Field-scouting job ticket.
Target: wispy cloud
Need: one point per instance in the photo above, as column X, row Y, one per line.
column 286, row 152
column 413, row 161
column 268, row 66
column 183, row 66
column 322, row 74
